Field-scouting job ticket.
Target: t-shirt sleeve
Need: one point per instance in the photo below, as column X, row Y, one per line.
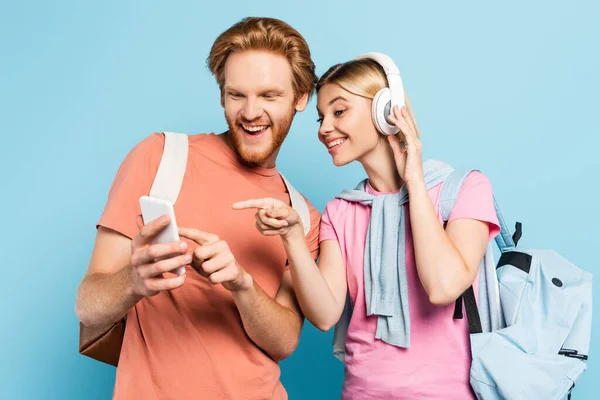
column 312, row 239
column 476, row 201
column 327, row 229
column 133, row 180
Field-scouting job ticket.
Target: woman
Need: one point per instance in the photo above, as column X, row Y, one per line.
column 407, row 344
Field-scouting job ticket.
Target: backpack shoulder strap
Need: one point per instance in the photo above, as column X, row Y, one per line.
column 169, row 177
column 450, row 189
column 448, row 196
column 505, row 240
column 484, row 313
column 299, row 204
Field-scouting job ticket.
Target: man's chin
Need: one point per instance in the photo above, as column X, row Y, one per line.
column 257, row 159
column 256, row 150
column 254, row 153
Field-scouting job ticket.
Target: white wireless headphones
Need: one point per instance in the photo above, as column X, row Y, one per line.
column 388, row 97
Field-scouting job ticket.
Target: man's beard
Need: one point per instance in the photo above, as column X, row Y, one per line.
column 279, row 132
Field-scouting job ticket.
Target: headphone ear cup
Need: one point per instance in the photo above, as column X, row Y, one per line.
column 379, row 112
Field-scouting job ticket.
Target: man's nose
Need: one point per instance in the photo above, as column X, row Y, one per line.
column 252, row 109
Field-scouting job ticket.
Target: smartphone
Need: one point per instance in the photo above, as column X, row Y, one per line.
column 153, row 208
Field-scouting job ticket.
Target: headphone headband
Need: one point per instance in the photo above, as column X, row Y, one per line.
column 392, row 74
column 388, row 97
column 384, row 60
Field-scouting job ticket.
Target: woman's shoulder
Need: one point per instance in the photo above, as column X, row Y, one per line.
column 477, row 179
column 333, row 206
column 336, row 209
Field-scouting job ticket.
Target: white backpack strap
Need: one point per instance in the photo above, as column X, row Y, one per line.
column 169, row 177
column 298, row 204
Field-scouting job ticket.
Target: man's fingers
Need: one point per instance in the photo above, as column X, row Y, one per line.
column 198, row 236
column 209, row 250
column 149, row 231
column 139, row 221
column 162, row 284
column 216, row 263
column 223, row 275
column 158, row 268
column 149, row 254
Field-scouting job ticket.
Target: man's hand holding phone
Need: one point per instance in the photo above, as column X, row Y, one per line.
column 150, row 261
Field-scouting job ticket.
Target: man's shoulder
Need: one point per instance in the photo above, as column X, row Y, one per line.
column 146, row 152
column 203, row 139
column 153, row 144
column 154, row 141
column 207, row 144
column 193, row 138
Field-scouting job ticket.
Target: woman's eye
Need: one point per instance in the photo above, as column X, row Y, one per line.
column 339, row 113
column 320, row 120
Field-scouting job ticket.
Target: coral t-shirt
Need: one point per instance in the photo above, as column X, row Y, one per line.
column 189, row 343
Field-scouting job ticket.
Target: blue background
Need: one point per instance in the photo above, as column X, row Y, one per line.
column 510, row 87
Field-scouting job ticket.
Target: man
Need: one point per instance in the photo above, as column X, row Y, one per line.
column 217, row 331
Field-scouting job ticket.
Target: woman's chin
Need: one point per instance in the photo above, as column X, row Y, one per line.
column 341, row 161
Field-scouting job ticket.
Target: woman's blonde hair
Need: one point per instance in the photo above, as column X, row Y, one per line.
column 363, row 78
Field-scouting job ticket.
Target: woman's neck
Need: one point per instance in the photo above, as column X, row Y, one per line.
column 380, row 166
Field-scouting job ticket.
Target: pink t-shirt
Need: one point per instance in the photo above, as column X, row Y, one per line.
column 436, row 366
